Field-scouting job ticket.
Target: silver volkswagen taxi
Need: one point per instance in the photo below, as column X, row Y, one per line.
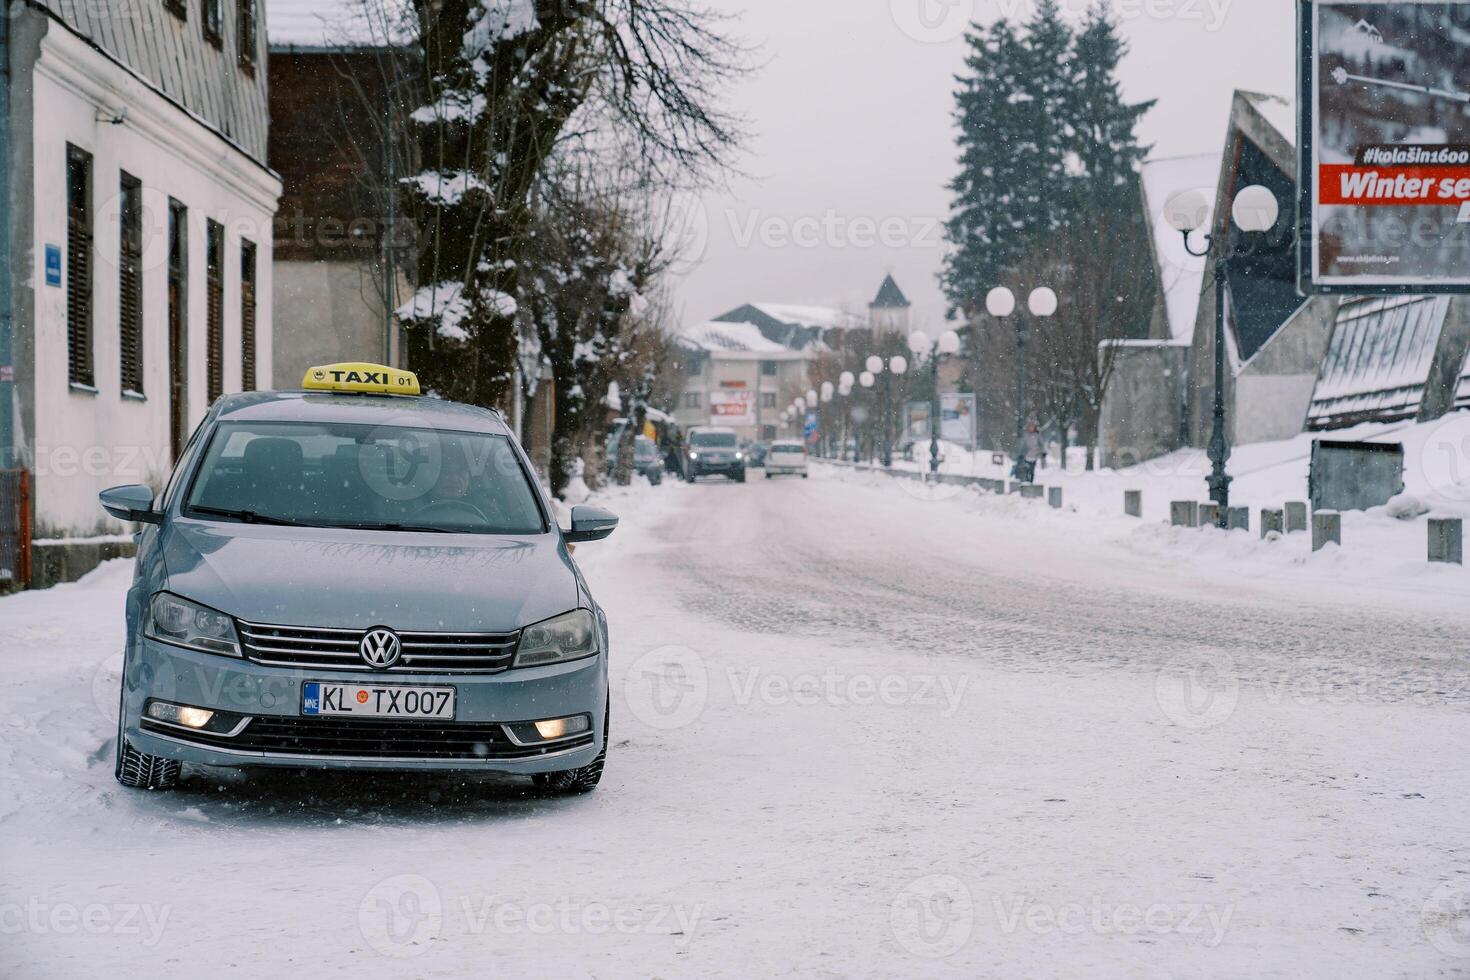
column 351, row 576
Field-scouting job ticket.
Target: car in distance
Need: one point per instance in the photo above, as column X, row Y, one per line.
column 354, row 577
column 756, row 454
column 713, row 452
column 787, row 458
column 647, row 460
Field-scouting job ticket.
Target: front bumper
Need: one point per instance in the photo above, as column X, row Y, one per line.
column 272, row 696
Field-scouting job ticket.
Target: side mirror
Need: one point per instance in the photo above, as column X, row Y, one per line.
column 131, row 503
column 590, row 524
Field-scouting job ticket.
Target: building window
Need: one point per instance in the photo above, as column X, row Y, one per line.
column 247, row 316
column 178, row 8
column 692, row 399
column 79, row 266
column 214, row 341
column 178, row 324
column 694, row 365
column 130, row 284
column 213, row 22
column 768, row 399
column 245, row 35
column 768, row 369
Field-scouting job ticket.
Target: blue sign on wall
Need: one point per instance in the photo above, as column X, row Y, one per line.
column 53, row 265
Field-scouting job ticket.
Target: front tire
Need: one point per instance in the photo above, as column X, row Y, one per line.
column 576, row 782
column 139, row 770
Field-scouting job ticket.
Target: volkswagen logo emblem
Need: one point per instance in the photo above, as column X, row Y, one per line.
column 380, row 648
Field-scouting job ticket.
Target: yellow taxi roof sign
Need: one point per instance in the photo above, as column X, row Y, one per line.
column 372, row 379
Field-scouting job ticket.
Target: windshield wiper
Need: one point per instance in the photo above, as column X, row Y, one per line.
column 395, row 526
column 248, row 516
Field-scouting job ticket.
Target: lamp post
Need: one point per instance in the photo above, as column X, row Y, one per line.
column 1254, row 211
column 896, row 367
column 1001, row 303
column 866, row 379
column 828, row 392
column 948, row 343
column 844, row 388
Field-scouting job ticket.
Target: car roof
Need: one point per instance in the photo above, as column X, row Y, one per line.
column 325, row 406
column 789, row 442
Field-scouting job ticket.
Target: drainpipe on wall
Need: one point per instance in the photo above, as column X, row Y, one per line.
column 7, row 358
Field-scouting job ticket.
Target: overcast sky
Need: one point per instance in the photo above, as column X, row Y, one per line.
column 853, row 142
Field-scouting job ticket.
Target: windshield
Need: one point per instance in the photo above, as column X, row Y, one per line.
column 364, row 476
column 786, row 449
column 713, row 440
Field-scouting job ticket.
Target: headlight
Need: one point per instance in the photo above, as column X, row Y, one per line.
column 694, row 455
column 739, row 455
column 570, row 636
column 188, row 624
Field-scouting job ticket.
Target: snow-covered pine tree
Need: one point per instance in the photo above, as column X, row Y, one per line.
column 1014, row 140
column 989, row 211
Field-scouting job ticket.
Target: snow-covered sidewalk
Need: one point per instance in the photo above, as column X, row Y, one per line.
column 855, row 733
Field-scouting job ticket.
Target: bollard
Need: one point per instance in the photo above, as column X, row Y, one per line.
column 1133, row 503
column 1272, row 520
column 1031, row 491
column 1447, row 540
column 1184, row 513
column 1209, row 515
column 1326, row 529
column 1239, row 518
column 1296, row 517
column 1054, row 497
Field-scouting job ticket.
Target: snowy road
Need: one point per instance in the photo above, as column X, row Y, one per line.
column 855, row 733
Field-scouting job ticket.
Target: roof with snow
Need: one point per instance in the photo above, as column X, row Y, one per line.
column 713, row 336
column 890, row 297
column 793, row 327
column 1279, row 112
column 1181, row 275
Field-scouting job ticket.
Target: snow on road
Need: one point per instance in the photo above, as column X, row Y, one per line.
column 854, row 733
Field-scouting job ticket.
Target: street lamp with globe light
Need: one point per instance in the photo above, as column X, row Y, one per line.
column 1254, row 211
column 1001, row 303
column 948, row 343
column 896, row 367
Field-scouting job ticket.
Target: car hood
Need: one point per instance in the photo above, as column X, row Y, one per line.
column 359, row 579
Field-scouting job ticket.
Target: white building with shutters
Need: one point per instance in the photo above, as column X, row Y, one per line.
column 139, row 236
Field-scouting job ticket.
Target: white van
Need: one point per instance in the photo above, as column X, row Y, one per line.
column 786, row 458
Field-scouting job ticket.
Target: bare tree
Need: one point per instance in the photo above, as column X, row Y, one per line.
column 505, row 84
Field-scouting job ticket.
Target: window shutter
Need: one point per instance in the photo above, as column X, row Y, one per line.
column 247, row 316
column 130, row 285
column 214, row 343
column 79, row 266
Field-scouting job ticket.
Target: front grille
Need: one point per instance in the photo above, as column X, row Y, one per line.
column 373, row 739
column 337, row 649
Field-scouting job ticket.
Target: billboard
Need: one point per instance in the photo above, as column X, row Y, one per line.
column 1384, row 143
column 957, row 419
column 732, row 408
